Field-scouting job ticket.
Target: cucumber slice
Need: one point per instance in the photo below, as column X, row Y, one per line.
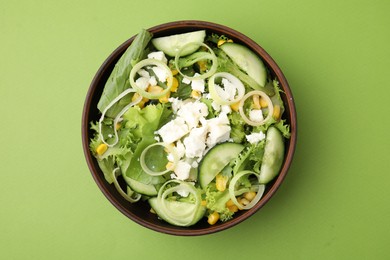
column 177, row 206
column 142, row 188
column 215, row 160
column 247, row 60
column 170, row 45
column 273, row 155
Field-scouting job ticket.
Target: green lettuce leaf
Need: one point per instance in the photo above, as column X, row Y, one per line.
column 118, row 80
column 144, row 122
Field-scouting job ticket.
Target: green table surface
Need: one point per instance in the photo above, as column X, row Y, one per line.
column 334, row 203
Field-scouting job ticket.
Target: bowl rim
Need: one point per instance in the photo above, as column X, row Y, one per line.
column 188, row 25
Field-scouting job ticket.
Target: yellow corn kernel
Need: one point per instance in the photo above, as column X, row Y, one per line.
column 174, row 72
column 164, row 99
column 229, row 203
column 221, row 182
column 202, row 65
column 250, row 195
column 117, row 126
column 213, row 218
column 101, row 149
column 256, row 102
column 276, row 114
column 243, row 201
column 195, row 94
column 220, row 42
column 235, row 106
column 171, row 146
column 141, row 104
column 155, row 89
column 263, row 103
column 175, row 84
column 233, row 208
column 203, row 203
column 170, row 166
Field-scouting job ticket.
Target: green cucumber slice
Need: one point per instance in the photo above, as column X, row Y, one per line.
column 215, row 160
column 273, row 155
column 247, row 60
column 170, row 45
column 142, row 188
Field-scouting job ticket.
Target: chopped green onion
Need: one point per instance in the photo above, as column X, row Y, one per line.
column 197, row 57
column 270, row 108
column 144, row 154
column 119, row 97
column 128, row 197
column 151, row 62
column 215, row 89
column 232, row 191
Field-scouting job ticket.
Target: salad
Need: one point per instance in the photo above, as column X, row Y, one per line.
column 193, row 124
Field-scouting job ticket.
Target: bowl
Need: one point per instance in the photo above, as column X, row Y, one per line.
column 140, row 212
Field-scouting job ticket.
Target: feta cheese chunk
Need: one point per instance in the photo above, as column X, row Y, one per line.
column 192, row 112
column 182, row 170
column 219, row 130
column 173, row 130
column 256, row 115
column 142, row 83
column 158, row 55
column 254, row 138
column 161, row 73
column 195, row 142
column 197, row 84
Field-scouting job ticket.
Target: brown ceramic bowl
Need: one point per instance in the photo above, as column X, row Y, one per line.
column 139, row 212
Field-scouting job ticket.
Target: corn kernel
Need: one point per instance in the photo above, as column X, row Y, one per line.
column 203, row 203
column 170, row 166
column 250, row 195
column 141, row 104
column 175, row 84
column 243, row 201
column 220, row 42
column 101, row 149
column 195, row 94
column 213, row 218
column 263, row 103
column 155, row 89
column 164, row 99
column 202, row 65
column 276, row 114
column 229, row 203
column 256, row 102
column 221, row 182
column 235, row 106
column 174, row 72
column 117, row 126
column 233, row 208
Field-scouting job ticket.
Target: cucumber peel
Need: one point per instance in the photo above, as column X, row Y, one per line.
column 170, row 45
column 246, row 60
column 215, row 160
column 273, row 155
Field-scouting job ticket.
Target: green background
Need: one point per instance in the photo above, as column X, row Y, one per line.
column 334, row 203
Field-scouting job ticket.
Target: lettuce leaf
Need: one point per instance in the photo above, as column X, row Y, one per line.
column 216, row 201
column 143, row 123
column 118, row 80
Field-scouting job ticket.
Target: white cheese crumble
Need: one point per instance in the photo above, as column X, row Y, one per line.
column 254, row 138
column 256, row 115
column 173, row 130
column 158, row 55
